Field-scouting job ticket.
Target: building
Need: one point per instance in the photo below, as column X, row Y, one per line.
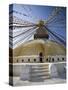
column 38, row 59
column 39, row 51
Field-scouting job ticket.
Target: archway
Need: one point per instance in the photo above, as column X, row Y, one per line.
column 41, row 57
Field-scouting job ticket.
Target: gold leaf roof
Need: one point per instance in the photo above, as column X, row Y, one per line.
column 34, row 47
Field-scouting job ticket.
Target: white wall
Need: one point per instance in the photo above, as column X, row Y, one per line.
column 58, row 70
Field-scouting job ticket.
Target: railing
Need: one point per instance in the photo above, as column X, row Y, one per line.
column 36, row 59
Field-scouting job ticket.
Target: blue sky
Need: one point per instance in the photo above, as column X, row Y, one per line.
column 34, row 13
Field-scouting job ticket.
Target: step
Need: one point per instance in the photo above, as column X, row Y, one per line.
column 43, row 70
column 39, row 74
column 39, row 66
column 39, row 79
